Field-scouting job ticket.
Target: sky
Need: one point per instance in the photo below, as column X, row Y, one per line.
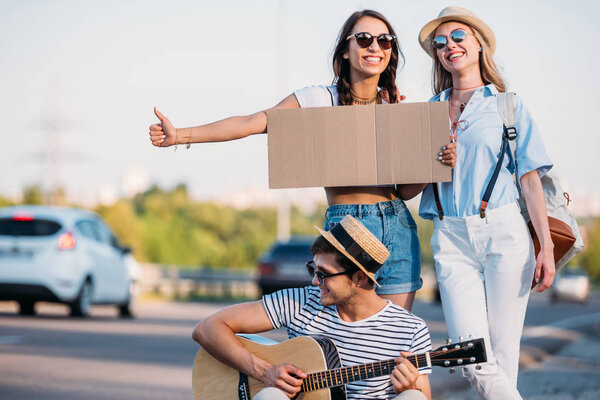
column 79, row 80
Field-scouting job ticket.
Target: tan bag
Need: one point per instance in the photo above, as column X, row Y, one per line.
column 562, row 238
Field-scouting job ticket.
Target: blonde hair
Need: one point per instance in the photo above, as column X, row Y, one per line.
column 442, row 80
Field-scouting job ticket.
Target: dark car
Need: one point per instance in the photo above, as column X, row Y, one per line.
column 283, row 265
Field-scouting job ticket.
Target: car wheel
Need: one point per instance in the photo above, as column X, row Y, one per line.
column 126, row 309
column 82, row 304
column 27, row 307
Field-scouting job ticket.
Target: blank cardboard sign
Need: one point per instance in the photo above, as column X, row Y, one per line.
column 357, row 145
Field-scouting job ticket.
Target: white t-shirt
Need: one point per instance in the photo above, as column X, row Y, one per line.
column 382, row 336
column 322, row 96
column 318, row 96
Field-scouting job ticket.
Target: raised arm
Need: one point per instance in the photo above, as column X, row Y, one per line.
column 216, row 334
column 164, row 134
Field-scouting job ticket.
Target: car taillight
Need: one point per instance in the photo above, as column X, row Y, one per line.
column 266, row 268
column 22, row 217
column 66, row 241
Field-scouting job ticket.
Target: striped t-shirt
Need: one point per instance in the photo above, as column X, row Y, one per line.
column 382, row 336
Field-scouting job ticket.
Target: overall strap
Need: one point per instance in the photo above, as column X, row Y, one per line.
column 435, row 186
column 506, row 108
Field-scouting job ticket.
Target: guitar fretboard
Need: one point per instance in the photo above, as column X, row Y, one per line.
column 341, row 376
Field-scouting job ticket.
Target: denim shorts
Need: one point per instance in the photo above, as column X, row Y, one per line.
column 390, row 222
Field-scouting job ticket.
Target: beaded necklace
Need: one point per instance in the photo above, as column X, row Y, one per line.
column 362, row 101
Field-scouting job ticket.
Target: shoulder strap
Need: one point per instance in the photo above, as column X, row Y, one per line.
column 506, row 108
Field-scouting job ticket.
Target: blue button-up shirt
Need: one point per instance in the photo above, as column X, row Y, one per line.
column 477, row 152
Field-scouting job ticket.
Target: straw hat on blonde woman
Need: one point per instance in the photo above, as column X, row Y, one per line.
column 483, row 254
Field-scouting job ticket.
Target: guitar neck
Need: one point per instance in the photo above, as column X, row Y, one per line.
column 341, row 376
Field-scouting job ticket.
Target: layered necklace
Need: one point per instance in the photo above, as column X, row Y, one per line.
column 458, row 124
column 461, row 105
column 361, row 101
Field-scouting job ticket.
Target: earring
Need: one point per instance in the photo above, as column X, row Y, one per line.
column 480, row 49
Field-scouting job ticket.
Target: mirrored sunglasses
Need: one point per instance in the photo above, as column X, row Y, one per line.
column 457, row 36
column 364, row 40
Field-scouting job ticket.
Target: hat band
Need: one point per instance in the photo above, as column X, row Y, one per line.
column 354, row 249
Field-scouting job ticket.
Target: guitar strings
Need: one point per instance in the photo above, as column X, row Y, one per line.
column 335, row 377
column 340, row 376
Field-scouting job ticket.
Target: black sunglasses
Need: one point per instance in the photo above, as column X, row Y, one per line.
column 457, row 36
column 312, row 271
column 364, row 40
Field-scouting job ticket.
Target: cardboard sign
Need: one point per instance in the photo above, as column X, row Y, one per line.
column 357, row 145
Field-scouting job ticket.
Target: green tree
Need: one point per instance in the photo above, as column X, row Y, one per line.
column 5, row 202
column 589, row 258
column 122, row 219
column 33, row 194
column 425, row 230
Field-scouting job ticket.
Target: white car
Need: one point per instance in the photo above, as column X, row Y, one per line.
column 64, row 255
column 571, row 284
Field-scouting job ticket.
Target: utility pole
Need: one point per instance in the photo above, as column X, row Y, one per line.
column 52, row 153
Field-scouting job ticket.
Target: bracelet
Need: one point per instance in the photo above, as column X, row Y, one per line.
column 189, row 141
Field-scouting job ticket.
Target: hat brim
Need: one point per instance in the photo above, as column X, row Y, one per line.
column 331, row 239
column 427, row 32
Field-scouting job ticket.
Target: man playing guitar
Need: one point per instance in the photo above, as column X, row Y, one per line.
column 343, row 306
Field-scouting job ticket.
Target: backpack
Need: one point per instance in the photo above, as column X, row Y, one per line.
column 563, row 226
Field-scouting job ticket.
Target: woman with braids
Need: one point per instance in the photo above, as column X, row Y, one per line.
column 365, row 61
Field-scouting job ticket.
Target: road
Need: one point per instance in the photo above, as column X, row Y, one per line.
column 53, row 357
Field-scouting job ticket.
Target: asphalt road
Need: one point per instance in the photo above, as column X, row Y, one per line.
column 52, row 356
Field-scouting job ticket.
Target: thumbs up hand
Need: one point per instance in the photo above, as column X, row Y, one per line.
column 164, row 133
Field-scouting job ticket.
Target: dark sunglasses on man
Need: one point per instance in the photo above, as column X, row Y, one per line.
column 321, row 276
column 364, row 40
column 457, row 36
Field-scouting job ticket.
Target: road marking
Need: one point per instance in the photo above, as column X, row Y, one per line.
column 549, row 331
column 576, row 322
column 11, row 339
column 562, row 329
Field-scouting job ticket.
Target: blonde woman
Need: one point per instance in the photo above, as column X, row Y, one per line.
column 483, row 253
column 365, row 61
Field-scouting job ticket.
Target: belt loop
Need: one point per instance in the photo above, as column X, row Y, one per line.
column 359, row 211
column 396, row 205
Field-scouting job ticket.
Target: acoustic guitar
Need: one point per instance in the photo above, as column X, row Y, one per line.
column 318, row 357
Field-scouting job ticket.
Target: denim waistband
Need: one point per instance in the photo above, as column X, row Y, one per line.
column 395, row 206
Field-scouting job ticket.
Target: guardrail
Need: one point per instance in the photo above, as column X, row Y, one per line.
column 202, row 282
